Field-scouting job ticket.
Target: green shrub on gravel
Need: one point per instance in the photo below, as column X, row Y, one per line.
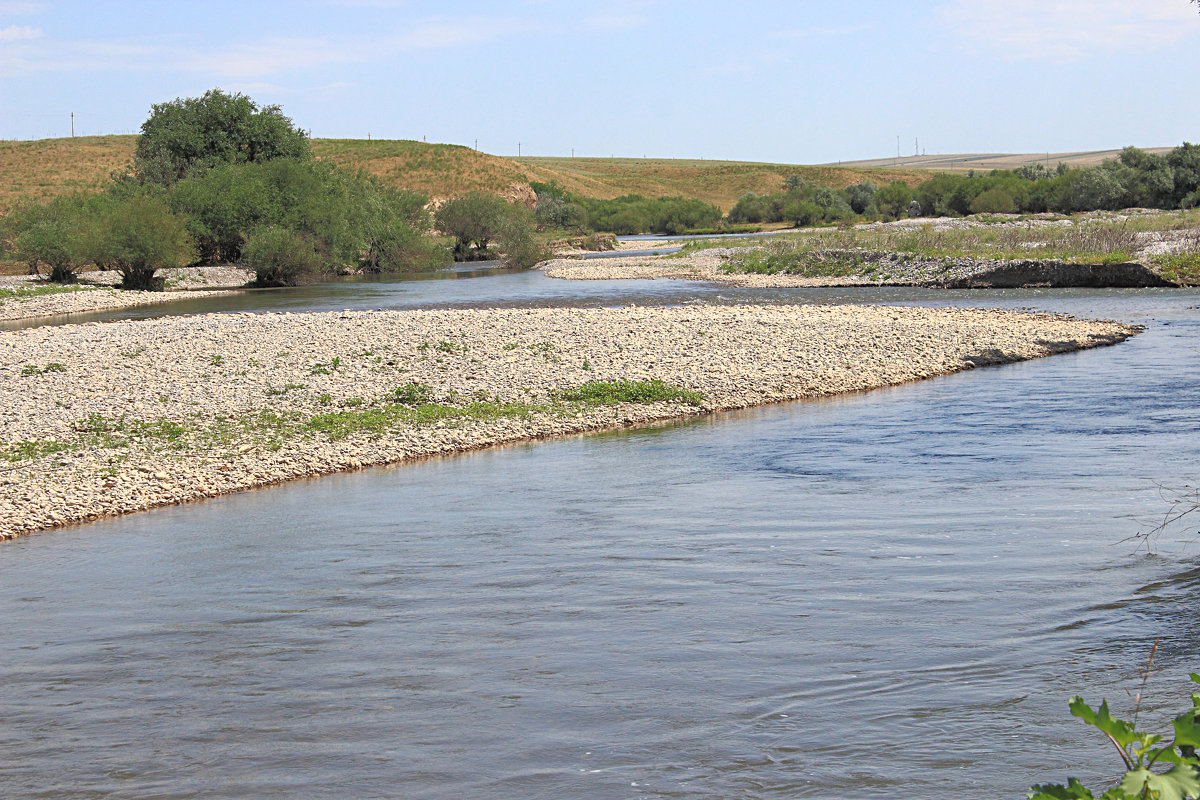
column 412, row 394
column 608, row 393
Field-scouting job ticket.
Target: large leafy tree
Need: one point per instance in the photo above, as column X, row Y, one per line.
column 191, row 134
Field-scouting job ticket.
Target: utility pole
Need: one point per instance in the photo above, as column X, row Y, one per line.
column 572, row 152
column 72, row 124
column 476, row 145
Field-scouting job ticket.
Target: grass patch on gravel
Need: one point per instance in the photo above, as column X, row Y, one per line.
column 379, row 420
column 609, row 393
column 23, row 451
column 27, row 292
column 810, row 264
column 1085, row 242
column 411, row 405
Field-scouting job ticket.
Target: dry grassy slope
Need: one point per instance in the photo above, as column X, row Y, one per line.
column 45, row 168
column 49, row 167
column 718, row 182
column 439, row 170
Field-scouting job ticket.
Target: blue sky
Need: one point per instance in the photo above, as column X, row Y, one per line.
column 796, row 82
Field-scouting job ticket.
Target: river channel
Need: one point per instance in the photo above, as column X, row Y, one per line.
column 890, row 594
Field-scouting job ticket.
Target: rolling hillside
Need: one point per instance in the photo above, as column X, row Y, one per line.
column 45, row 168
column 718, row 182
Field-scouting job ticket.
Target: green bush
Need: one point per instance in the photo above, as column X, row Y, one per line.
column 412, row 394
column 399, row 248
column 556, row 209
column 750, row 208
column 474, row 219
column 138, row 236
column 993, row 201
column 279, row 257
column 801, row 213
column 518, row 238
column 191, row 134
column 894, row 198
column 350, row 219
column 52, row 235
column 860, row 197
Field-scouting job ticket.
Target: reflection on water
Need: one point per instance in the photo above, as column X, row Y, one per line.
column 883, row 595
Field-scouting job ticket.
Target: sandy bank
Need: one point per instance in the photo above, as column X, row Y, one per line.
column 103, row 419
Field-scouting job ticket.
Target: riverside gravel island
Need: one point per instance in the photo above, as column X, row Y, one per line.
column 102, row 419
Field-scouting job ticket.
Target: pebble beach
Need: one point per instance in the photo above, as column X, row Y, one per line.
column 96, row 292
column 105, row 419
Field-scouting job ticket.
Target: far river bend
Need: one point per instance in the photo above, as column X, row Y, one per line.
column 890, row 594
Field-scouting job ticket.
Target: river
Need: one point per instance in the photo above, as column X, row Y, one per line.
column 890, row 594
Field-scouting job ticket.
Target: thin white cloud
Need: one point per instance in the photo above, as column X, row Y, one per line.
column 14, row 8
column 1068, row 30
column 817, row 32
column 364, row 3
column 51, row 56
column 458, row 32
column 613, row 22
column 250, row 62
column 258, row 59
column 254, row 88
column 17, row 33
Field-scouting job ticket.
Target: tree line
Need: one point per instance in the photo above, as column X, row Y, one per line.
column 1135, row 179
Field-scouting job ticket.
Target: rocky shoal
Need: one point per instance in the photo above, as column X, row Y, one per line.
column 104, row 419
column 96, row 292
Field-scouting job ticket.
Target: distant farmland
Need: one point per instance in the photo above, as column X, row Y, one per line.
column 990, row 161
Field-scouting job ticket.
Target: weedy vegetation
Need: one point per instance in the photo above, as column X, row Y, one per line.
column 1140, row 752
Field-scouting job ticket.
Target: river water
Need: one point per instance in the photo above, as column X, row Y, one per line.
column 890, row 594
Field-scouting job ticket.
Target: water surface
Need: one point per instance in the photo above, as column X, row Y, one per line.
column 890, row 594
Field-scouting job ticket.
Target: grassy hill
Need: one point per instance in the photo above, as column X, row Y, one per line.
column 48, row 167
column 45, row 168
column 718, row 182
column 439, row 170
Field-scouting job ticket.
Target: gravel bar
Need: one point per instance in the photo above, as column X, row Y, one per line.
column 102, row 419
column 95, row 292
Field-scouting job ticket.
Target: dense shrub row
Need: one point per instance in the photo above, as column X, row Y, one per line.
column 630, row 214
column 1135, row 179
column 135, row 234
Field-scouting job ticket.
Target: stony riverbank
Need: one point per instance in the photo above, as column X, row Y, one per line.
column 882, row 269
column 104, row 419
column 95, row 292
